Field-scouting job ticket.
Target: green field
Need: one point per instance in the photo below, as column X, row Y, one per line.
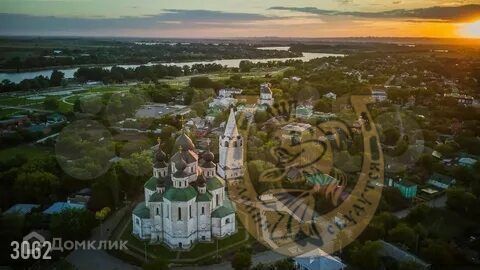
column 30, row 152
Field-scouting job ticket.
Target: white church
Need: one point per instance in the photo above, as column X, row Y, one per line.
column 185, row 199
column 266, row 95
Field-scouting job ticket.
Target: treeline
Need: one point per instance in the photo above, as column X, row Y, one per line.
column 102, row 53
column 141, row 73
column 39, row 82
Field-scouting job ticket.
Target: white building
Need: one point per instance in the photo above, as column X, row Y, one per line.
column 379, row 95
column 185, row 200
column 230, row 163
column 330, row 95
column 266, row 95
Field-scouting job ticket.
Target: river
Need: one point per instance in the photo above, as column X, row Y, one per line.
column 69, row 72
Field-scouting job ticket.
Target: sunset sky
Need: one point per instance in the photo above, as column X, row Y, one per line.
column 245, row 18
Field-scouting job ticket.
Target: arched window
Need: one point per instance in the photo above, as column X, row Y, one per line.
column 216, row 199
column 227, row 220
column 158, row 211
column 190, row 211
column 203, row 210
column 179, row 213
column 226, row 144
column 235, row 144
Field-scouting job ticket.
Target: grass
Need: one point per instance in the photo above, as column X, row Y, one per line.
column 30, row 152
column 14, row 101
column 201, row 249
column 195, row 254
column 6, row 113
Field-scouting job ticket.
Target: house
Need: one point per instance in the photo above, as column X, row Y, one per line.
column 318, row 259
column 59, row 207
column 400, row 255
column 467, row 162
column 461, row 99
column 330, row 95
column 441, row 181
column 21, row 209
column 294, row 131
column 379, row 95
column 406, row 188
column 55, row 118
column 304, row 111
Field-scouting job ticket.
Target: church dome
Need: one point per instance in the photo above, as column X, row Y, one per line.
column 208, row 156
column 201, row 182
column 184, row 142
column 160, row 155
column 160, row 182
column 180, row 164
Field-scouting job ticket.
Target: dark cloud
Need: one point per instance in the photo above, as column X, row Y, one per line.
column 19, row 24
column 450, row 14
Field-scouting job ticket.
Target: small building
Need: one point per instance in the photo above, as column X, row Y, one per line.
column 464, row 100
column 21, row 209
column 318, row 259
column 400, row 255
column 266, row 95
column 467, row 162
column 406, row 188
column 294, row 131
column 330, row 95
column 304, row 111
column 379, row 95
column 441, row 181
column 55, row 118
column 59, row 207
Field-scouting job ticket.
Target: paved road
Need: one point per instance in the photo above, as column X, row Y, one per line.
column 24, row 108
column 266, row 257
column 436, row 203
column 99, row 259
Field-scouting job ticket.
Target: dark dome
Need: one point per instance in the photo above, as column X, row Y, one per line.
column 208, row 156
column 160, row 182
column 180, row 164
column 201, row 182
column 160, row 155
column 184, row 142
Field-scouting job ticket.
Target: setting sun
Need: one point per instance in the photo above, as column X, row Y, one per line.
column 471, row 30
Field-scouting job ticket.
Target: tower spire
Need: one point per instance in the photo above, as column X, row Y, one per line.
column 231, row 126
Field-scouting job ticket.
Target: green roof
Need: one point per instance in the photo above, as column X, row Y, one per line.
column 205, row 197
column 141, row 211
column 214, row 183
column 180, row 194
column 222, row 211
column 320, row 179
column 151, row 184
column 441, row 178
column 156, row 197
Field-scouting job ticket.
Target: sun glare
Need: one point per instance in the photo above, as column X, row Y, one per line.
column 471, row 30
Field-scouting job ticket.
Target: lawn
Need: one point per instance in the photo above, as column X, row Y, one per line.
column 195, row 254
column 30, row 152
column 6, row 113
column 201, row 249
